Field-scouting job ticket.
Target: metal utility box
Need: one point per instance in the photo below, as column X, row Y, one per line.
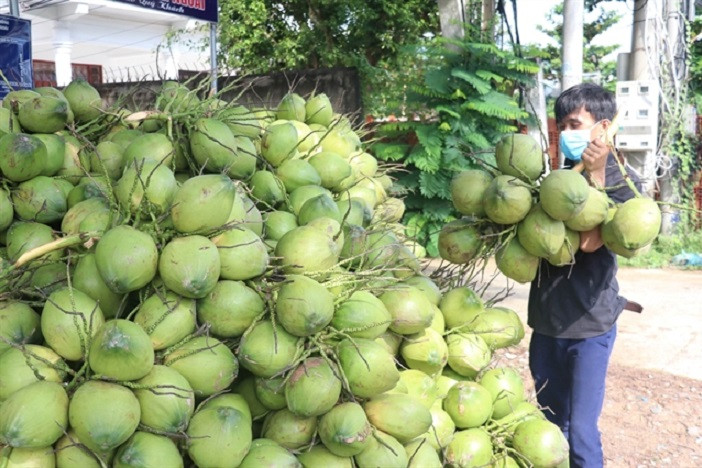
column 638, row 125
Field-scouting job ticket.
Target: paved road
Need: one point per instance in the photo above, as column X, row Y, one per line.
column 667, row 336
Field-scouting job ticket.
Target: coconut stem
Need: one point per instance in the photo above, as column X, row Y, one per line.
column 58, row 244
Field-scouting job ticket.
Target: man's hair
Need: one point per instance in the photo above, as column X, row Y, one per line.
column 596, row 100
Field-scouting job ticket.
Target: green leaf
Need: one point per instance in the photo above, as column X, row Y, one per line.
column 488, row 75
column 481, row 86
column 436, row 185
column 390, row 151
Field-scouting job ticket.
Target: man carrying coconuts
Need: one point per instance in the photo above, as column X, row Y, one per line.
column 573, row 308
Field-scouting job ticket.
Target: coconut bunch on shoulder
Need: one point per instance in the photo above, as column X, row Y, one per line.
column 538, row 215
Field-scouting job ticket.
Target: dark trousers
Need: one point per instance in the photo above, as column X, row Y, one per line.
column 569, row 375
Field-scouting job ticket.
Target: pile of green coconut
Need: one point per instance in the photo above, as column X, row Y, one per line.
column 523, row 215
column 203, row 284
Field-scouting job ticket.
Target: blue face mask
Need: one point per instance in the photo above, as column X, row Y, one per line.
column 574, row 142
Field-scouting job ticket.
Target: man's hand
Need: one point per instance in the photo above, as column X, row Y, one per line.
column 594, row 159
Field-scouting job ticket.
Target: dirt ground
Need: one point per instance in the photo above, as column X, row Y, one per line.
column 652, row 414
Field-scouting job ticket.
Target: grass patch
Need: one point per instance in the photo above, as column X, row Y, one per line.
column 664, row 250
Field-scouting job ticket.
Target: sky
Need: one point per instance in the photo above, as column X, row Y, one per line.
column 531, row 13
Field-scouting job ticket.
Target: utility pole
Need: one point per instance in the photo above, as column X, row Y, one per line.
column 638, row 61
column 14, row 8
column 572, row 68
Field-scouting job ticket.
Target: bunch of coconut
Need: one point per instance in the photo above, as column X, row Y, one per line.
column 526, row 214
column 204, row 284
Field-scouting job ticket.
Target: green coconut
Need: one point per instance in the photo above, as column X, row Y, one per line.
column 279, row 143
column 420, row 386
column 507, row 200
column 166, row 399
column 84, row 100
column 318, row 110
column 295, row 173
column 339, row 140
column 425, row 351
column 442, row 427
column 230, row 400
column 313, row 388
column 213, row 145
column 593, row 213
column 43, row 114
column 566, row 254
column 9, row 123
column 121, row 350
column 203, row 202
column 146, row 449
column 468, row 191
column 103, row 415
column 6, row 210
column 368, row 367
column 230, row 308
column 362, row 315
column 69, row 320
column 126, row 258
column 332, row 168
column 241, row 121
column 365, row 195
column 411, row 311
column 520, row 155
column 19, row 324
column 219, row 437
column 321, row 206
column 303, row 306
column 320, row 456
column 242, row 254
column 246, row 389
column 460, row 241
column 23, row 156
column 307, row 140
column 39, row 199
column 345, row 430
column 42, row 457
column 146, row 186
column 55, row 151
column 305, row 250
column 89, row 187
column 506, row 387
column 208, row 364
column 71, row 452
column 190, row 266
column 390, row 211
column 500, row 327
column 540, row 234
column 267, row 188
column 363, row 164
column 266, row 351
column 166, row 318
column 34, row 417
column 289, row 429
column 563, row 194
column 291, row 107
column 301, row 195
column 422, row 455
column 75, row 164
column 540, row 443
column 382, row 450
column 270, row 392
column 402, row 416
column 354, row 212
column 265, row 452
column 107, row 159
column 636, row 223
column 460, row 306
column 469, row 448
column 19, row 96
column 24, row 236
column 175, row 96
column 125, row 137
column 87, row 279
column 469, row 404
column 22, row 367
column 156, row 148
column 468, row 353
column 516, row 263
column 278, row 223
column 610, row 239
